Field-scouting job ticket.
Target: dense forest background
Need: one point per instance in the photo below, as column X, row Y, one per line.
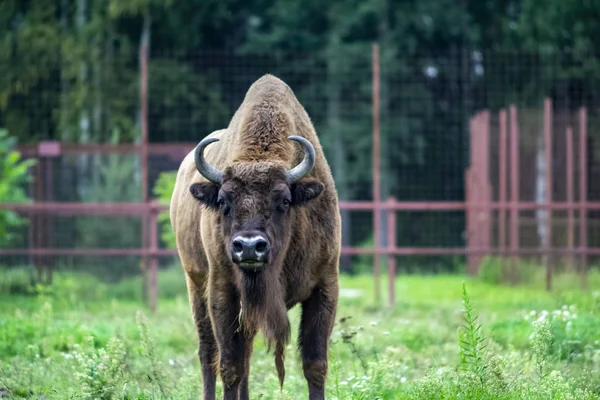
column 69, row 71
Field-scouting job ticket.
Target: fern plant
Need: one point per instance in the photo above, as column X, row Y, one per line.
column 471, row 341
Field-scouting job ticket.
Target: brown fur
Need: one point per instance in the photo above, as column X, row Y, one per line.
column 254, row 152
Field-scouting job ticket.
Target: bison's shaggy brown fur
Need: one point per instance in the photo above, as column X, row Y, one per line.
column 300, row 221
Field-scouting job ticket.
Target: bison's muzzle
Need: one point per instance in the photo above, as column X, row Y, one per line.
column 250, row 250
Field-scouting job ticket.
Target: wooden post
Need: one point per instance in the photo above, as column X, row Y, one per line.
column 478, row 192
column 31, row 259
column 469, row 218
column 376, row 178
column 48, row 228
column 391, row 261
column 47, row 150
column 486, row 190
column 38, row 225
column 472, row 196
column 570, row 196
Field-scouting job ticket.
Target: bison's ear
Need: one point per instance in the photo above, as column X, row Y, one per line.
column 303, row 192
column 206, row 192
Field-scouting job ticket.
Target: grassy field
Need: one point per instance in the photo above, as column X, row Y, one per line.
column 84, row 339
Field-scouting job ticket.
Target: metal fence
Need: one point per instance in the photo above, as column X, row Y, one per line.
column 444, row 174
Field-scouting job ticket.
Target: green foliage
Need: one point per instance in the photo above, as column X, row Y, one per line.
column 163, row 190
column 500, row 270
column 184, row 100
column 99, row 372
column 94, row 335
column 14, row 175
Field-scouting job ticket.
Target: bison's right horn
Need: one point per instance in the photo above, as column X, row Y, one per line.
column 205, row 169
column 307, row 164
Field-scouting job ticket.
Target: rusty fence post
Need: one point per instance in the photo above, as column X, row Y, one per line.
column 478, row 192
column 153, row 258
column 469, row 231
column 391, row 259
column 47, row 152
column 471, row 197
column 485, row 213
column 570, row 196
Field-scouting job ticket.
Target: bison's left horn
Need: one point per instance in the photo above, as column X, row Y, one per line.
column 205, row 169
column 307, row 164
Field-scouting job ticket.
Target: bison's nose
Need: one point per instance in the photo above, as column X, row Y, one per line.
column 249, row 249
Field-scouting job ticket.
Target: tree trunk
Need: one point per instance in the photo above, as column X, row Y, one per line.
column 84, row 120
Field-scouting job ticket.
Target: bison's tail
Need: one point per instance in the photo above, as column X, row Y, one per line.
column 279, row 365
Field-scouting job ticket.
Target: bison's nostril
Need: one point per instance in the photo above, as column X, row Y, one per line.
column 249, row 248
column 238, row 246
column 261, row 246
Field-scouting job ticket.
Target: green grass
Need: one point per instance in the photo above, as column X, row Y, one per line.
column 81, row 338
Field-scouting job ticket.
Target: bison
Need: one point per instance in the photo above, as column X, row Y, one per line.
column 257, row 226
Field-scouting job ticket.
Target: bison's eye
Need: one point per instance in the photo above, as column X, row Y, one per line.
column 286, row 203
column 225, row 209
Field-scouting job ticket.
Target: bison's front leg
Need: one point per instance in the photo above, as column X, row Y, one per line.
column 318, row 317
column 225, row 310
column 244, row 389
column 207, row 349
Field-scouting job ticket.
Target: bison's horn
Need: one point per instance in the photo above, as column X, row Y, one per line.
column 307, row 164
column 205, row 169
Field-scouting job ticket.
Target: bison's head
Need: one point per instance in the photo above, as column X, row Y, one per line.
column 254, row 200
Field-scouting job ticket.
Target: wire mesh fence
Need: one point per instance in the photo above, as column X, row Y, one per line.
column 426, row 102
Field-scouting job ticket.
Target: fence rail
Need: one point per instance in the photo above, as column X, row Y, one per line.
column 150, row 210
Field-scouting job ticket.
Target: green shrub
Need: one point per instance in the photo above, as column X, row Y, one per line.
column 499, row 270
column 163, row 190
column 13, row 175
column 99, row 372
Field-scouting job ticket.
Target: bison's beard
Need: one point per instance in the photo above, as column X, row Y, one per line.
column 263, row 305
